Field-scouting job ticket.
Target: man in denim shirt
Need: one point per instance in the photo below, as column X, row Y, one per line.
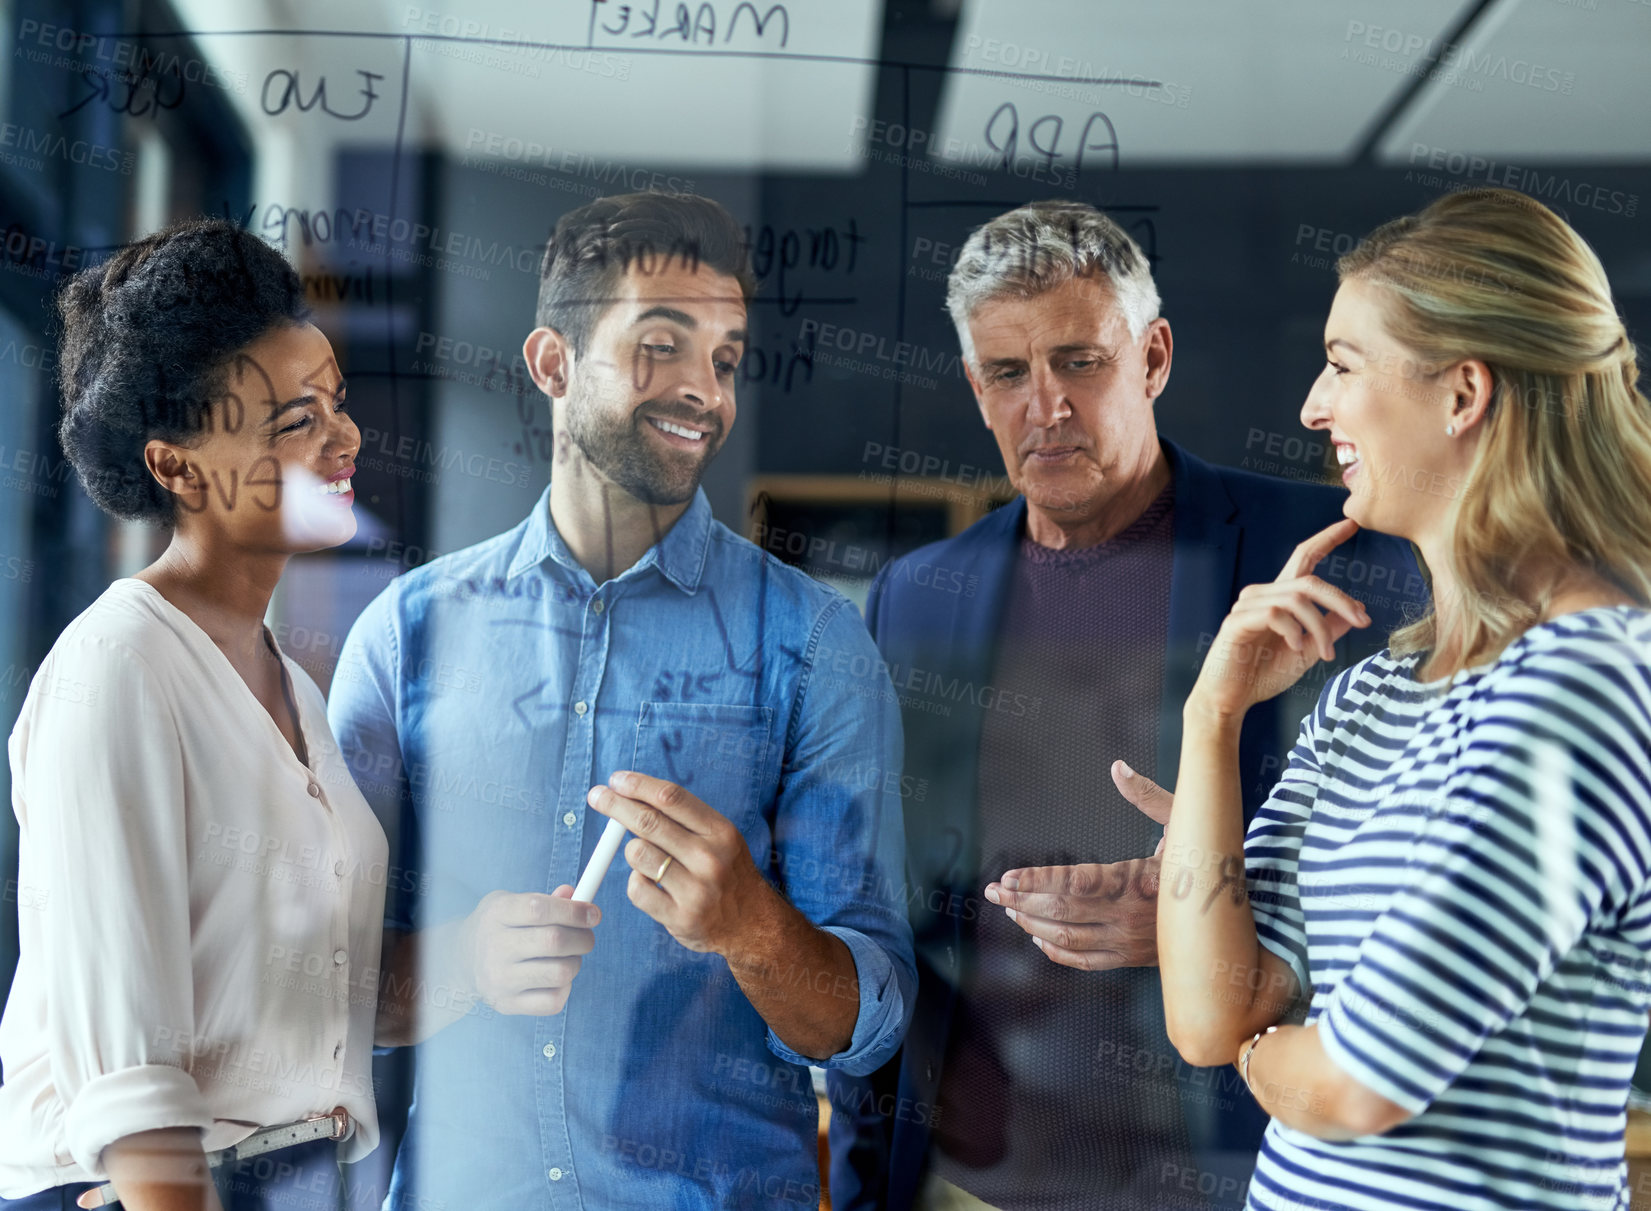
column 639, row 659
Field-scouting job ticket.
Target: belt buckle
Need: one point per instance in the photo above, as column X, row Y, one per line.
column 342, row 1126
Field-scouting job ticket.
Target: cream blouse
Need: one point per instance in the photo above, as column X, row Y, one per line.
column 200, row 913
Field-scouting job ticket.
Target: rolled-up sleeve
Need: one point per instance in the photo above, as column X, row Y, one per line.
column 102, row 801
column 840, row 834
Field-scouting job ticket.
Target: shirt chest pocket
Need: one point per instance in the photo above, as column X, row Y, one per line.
column 722, row 754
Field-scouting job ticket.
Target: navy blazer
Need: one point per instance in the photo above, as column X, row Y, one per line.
column 935, row 615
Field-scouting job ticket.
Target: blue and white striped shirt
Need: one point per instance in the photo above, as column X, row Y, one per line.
column 1461, row 873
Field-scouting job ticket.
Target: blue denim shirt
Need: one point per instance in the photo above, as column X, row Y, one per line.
column 478, row 699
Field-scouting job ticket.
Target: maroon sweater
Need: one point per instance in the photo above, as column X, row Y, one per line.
column 1057, row 1090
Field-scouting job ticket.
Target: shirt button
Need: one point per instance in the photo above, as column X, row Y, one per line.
column 578, row 708
column 555, row 1175
column 338, row 1051
column 315, row 790
column 569, row 819
column 597, row 606
column 339, row 956
column 550, row 1051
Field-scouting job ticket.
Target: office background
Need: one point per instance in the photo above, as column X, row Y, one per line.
column 412, row 158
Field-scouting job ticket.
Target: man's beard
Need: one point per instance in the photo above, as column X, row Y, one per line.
column 617, row 447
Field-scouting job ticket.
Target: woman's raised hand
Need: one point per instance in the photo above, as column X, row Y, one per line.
column 1277, row 630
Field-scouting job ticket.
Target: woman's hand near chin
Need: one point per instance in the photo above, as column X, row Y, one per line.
column 1276, row 631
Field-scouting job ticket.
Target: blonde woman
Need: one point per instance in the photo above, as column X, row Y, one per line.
column 1452, row 875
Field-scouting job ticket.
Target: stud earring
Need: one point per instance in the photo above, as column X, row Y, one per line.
column 1450, row 430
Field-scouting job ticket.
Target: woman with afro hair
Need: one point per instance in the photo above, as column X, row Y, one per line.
column 209, row 880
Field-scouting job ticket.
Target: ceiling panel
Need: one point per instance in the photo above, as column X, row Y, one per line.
column 1200, row 81
column 531, row 82
column 625, row 101
column 1282, row 81
column 1539, row 81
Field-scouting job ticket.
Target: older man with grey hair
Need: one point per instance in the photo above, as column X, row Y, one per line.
column 1037, row 1072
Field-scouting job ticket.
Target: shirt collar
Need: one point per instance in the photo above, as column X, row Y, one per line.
column 680, row 555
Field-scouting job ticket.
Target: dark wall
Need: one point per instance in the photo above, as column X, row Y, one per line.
column 853, row 361
column 1243, row 258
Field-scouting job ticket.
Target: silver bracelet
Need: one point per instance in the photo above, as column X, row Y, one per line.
column 1244, row 1061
